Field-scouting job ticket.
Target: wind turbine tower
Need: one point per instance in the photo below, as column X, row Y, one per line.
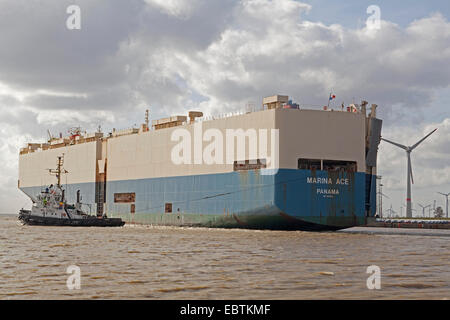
column 391, row 211
column 409, row 174
column 380, row 197
column 446, row 202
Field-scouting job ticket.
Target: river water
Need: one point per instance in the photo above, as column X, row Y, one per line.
column 144, row 262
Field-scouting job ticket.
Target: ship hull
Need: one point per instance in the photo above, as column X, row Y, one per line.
column 33, row 220
column 287, row 200
column 261, row 221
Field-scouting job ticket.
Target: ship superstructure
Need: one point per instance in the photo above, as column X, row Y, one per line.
column 319, row 175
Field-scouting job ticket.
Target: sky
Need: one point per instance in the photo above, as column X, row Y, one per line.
column 216, row 56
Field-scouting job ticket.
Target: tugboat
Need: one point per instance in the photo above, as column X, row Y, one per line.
column 51, row 209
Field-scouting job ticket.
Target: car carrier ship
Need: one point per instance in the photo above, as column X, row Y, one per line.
column 318, row 172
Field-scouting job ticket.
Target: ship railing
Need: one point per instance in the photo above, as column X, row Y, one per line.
column 221, row 116
column 251, row 110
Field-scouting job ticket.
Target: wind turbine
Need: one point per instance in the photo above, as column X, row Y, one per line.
column 409, row 174
column 446, row 202
column 391, row 211
column 423, row 208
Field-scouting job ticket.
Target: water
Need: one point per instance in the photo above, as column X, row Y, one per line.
column 139, row 262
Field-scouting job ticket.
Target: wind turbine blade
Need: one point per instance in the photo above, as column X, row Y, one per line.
column 395, row 143
column 420, row 141
column 410, row 170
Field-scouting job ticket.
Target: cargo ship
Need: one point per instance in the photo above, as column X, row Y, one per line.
column 283, row 167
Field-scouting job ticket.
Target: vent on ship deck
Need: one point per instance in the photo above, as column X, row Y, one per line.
column 327, row 165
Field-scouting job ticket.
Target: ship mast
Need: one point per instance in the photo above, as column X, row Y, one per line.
column 59, row 170
column 146, row 120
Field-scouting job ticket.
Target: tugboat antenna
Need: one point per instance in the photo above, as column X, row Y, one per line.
column 59, row 170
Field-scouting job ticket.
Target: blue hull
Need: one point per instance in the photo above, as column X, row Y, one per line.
column 288, row 200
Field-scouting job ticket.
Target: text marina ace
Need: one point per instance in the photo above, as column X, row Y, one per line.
column 327, row 181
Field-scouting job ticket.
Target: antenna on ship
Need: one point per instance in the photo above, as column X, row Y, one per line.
column 59, row 170
column 409, row 178
column 146, row 119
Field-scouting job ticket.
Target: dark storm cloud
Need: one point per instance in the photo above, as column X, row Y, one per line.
column 114, row 57
column 43, row 53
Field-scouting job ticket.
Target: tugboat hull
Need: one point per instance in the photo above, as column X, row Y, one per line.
column 28, row 219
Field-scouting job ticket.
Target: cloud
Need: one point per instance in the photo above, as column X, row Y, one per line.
column 259, row 47
column 396, row 68
column 11, row 136
column 43, row 53
column 178, row 8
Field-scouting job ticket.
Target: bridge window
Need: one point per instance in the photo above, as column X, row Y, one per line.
column 327, row 165
column 339, row 166
column 309, row 164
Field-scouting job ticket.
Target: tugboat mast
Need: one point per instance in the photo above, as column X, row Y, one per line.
column 59, row 170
